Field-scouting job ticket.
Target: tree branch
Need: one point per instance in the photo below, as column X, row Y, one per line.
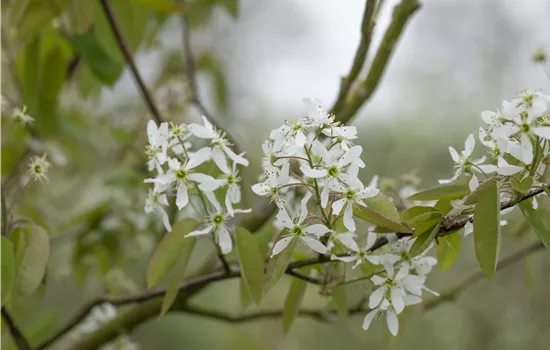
column 146, row 94
column 364, row 90
column 153, row 301
column 367, row 27
column 18, row 338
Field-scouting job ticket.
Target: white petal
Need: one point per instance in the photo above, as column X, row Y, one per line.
column 474, row 183
column 325, row 193
column 351, row 156
column 152, row 132
column 377, row 280
column 410, row 299
column 343, row 258
column 219, row 158
column 201, row 131
column 486, row 168
column 314, row 244
column 317, row 230
column 376, row 297
column 338, row 205
column 284, row 219
column 280, row 245
column 368, row 192
column 224, row 240
column 182, row 197
column 206, row 182
column 204, row 231
column 393, row 323
column 397, row 300
column 526, row 150
column 239, row 159
column 313, row 173
column 348, row 240
column 348, row 218
column 198, row 158
column 468, row 228
column 368, row 319
column 542, row 131
column 454, row 154
column 469, row 145
column 213, row 200
column 283, row 178
column 303, row 208
column 165, row 219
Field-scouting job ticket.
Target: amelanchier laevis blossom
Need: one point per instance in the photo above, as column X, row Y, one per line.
column 188, row 159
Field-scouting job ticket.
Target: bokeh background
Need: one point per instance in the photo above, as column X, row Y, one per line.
column 257, row 60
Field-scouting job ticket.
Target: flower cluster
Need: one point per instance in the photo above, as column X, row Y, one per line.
column 517, row 138
column 181, row 169
column 315, row 156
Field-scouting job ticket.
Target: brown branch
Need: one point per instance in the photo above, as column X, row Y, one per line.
column 367, row 27
column 220, row 275
column 146, row 94
column 365, row 89
column 18, row 338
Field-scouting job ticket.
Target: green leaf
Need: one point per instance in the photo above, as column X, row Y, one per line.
column 293, row 301
column 252, row 265
column 535, row 221
column 244, row 293
column 340, row 299
column 82, row 16
column 448, row 250
column 277, row 265
column 8, row 267
column 178, row 273
column 423, row 241
column 373, row 217
column 487, row 227
column 522, row 186
column 232, row 6
column 473, row 197
column 102, row 65
column 442, row 192
column 132, row 23
column 444, row 206
column 168, row 250
column 416, row 215
column 33, row 259
column 383, row 206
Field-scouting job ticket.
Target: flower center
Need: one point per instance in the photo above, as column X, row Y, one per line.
column 525, row 127
column 333, row 171
column 297, row 231
column 351, row 195
column 181, row 174
column 217, row 219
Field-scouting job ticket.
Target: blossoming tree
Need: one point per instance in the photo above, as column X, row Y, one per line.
column 320, row 225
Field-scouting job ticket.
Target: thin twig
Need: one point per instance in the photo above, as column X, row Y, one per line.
column 18, row 338
column 364, row 90
column 149, row 101
column 367, row 27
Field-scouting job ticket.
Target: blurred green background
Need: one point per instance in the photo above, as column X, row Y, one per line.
column 256, row 60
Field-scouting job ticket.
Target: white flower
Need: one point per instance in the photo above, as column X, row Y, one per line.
column 391, row 317
column 420, row 265
column 351, row 198
column 20, row 116
column 219, row 141
column 272, row 185
column 38, row 167
column 155, row 203
column 332, row 169
column 158, row 145
column 217, row 223
column 359, row 255
column 463, row 163
column 180, row 176
column 231, row 180
column 309, row 235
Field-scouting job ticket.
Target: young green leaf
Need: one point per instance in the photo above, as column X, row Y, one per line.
column 473, row 197
column 178, row 273
column 252, row 265
column 522, row 186
column 33, row 260
column 448, row 250
column 535, row 221
column 442, row 192
column 423, row 241
column 373, row 217
column 293, row 301
column 8, row 267
column 100, row 63
column 417, row 215
column 487, row 228
column 383, row 206
column 277, row 265
column 168, row 250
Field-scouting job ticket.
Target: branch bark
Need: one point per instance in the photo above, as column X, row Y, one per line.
column 401, row 15
column 146, row 94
